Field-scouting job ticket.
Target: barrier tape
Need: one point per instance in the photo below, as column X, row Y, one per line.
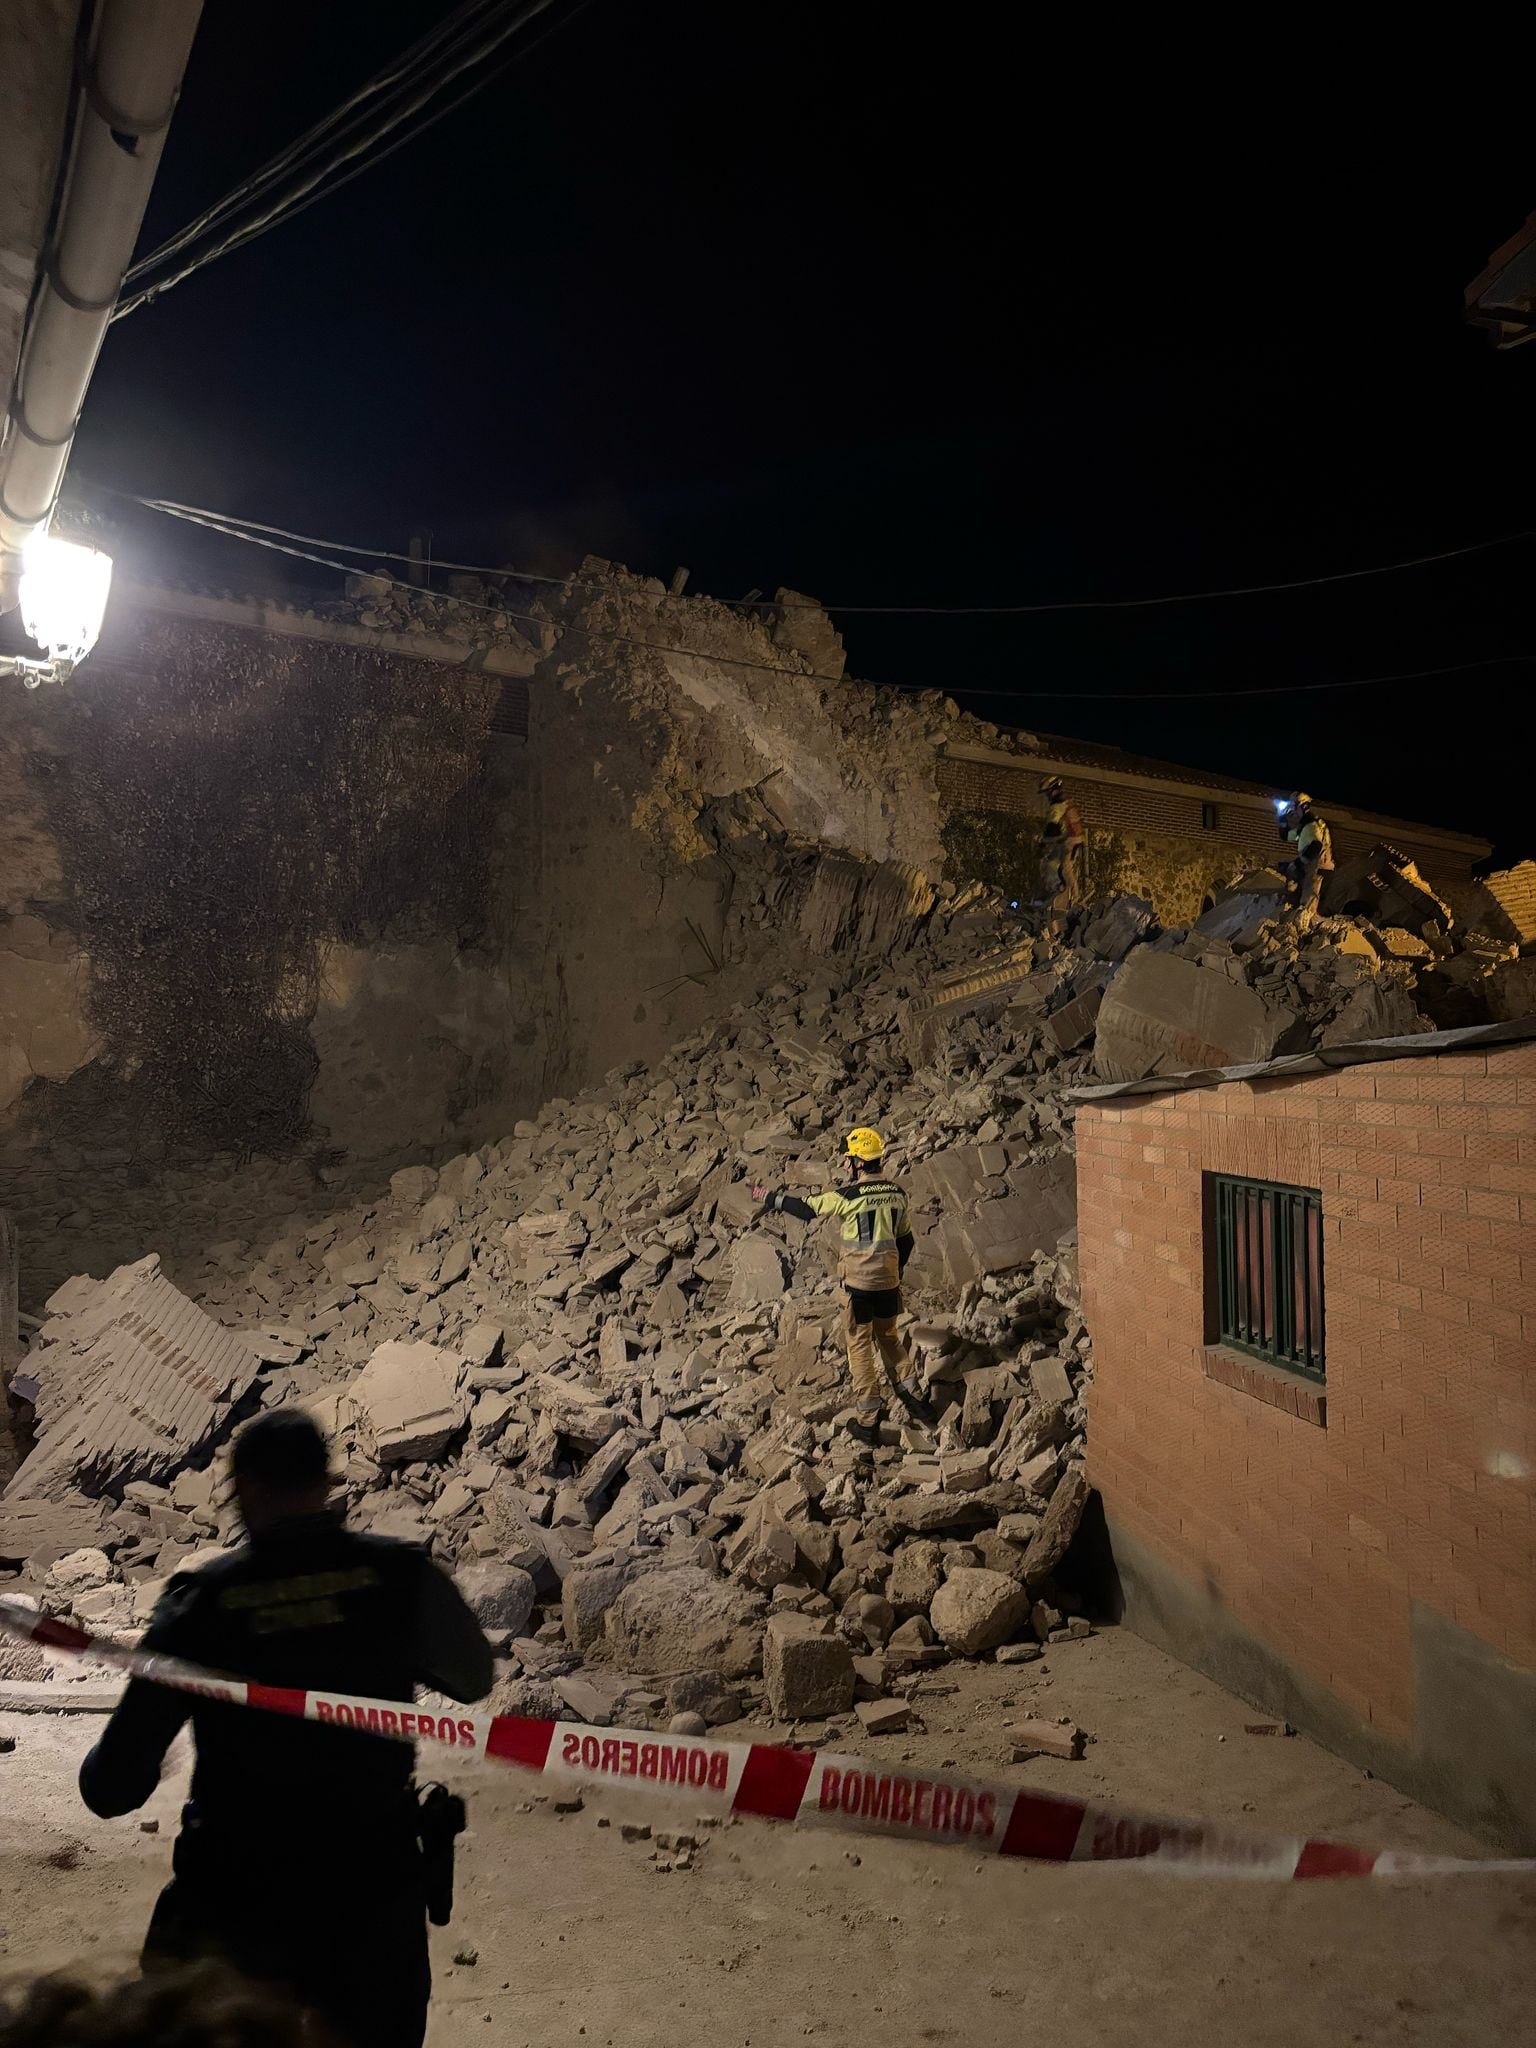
column 773, row 1783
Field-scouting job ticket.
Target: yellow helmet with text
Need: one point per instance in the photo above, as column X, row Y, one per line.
column 866, row 1144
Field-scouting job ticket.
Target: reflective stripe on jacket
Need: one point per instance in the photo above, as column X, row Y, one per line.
column 874, row 1226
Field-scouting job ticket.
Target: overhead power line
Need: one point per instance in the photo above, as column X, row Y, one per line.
column 264, row 539
column 313, row 166
column 432, row 47
column 1084, row 604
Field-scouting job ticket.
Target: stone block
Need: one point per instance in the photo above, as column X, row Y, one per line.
column 807, row 1673
column 409, row 1402
column 497, row 1595
column 976, row 1609
column 1050, row 1542
column 1049, row 1378
column 481, row 1344
column 1164, row 1015
column 917, row 1572
column 1045, row 1738
column 883, row 1717
column 1073, row 1024
column 964, row 1471
column 757, row 1269
column 683, row 1620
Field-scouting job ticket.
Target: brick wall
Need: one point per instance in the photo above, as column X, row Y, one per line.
column 1515, row 890
column 1110, row 806
column 1332, row 1547
column 1238, row 830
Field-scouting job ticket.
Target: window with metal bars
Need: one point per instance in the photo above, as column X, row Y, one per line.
column 1268, row 1295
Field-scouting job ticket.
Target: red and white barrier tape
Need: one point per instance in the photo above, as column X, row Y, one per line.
column 775, row 1783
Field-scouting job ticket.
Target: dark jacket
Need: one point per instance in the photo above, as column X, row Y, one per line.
column 312, row 1604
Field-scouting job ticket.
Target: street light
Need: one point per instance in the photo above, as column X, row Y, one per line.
column 64, row 585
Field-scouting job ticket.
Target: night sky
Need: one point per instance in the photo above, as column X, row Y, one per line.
column 952, row 307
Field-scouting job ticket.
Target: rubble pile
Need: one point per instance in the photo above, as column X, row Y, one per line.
column 607, row 1388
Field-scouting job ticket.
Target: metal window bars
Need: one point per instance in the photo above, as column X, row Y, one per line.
column 1269, row 1271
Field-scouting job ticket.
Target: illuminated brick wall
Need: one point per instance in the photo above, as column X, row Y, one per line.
column 1336, row 1556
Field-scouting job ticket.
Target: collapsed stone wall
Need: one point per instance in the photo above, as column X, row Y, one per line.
column 276, row 891
column 287, row 889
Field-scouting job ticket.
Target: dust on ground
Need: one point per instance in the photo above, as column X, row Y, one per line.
column 785, row 1934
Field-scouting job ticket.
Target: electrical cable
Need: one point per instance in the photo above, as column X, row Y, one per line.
column 312, row 184
column 435, row 43
column 874, row 610
column 400, row 142
column 218, row 525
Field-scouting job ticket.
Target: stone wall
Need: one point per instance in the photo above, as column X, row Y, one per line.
column 283, row 889
column 1173, row 873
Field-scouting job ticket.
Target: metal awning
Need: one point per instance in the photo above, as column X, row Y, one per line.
column 1293, row 1066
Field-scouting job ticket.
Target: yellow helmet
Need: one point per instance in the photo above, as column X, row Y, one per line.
column 866, row 1144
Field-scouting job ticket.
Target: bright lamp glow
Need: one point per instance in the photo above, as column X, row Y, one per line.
column 64, row 587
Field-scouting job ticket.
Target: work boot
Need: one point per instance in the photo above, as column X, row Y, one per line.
column 865, row 1426
column 917, row 1405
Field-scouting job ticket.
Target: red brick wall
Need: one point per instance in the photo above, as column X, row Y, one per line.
column 1318, row 1540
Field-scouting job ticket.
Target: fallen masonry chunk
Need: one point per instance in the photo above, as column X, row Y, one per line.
column 964, row 1471
column 757, row 1269
column 1048, row 1377
column 806, row 1673
column 1164, row 1015
column 883, row 1717
column 133, row 1382
column 1045, row 1738
column 976, row 1609
column 1049, row 1545
column 682, row 1620
column 917, row 1572
column 410, row 1402
column 481, row 1344
column 498, row 1595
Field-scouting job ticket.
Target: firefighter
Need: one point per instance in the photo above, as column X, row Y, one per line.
column 1313, row 859
column 875, row 1227
column 1062, row 834
column 303, row 1860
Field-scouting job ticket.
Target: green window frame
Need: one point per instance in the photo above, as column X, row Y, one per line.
column 1269, row 1271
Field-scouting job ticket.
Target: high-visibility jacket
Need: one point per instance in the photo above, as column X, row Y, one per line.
column 1314, row 842
column 874, row 1226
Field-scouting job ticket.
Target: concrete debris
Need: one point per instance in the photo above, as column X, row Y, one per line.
column 409, row 1402
column 1045, row 1738
column 1166, row 1015
column 608, row 1390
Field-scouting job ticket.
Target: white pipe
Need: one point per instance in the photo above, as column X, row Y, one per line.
column 138, row 55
